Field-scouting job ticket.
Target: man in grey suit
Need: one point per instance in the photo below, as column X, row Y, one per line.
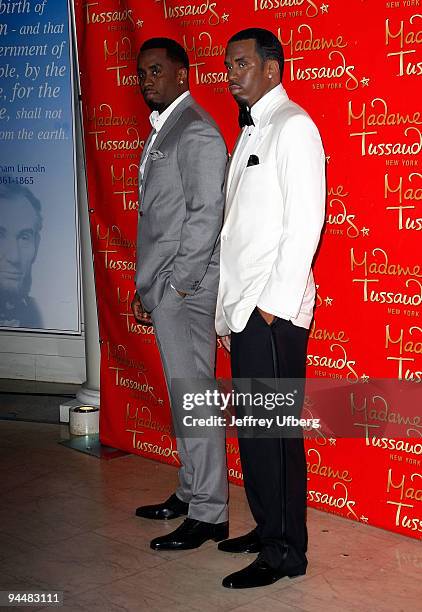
column 181, row 211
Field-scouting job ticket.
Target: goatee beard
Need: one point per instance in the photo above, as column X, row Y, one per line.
column 156, row 106
column 240, row 101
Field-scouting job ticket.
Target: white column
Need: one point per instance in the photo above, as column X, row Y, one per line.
column 89, row 393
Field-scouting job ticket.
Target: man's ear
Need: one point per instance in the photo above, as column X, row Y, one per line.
column 273, row 70
column 182, row 75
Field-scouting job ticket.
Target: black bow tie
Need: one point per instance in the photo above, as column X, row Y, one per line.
column 245, row 117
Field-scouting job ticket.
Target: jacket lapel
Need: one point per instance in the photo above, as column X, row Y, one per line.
column 167, row 127
column 141, row 181
column 146, row 145
column 230, row 168
column 264, row 127
column 231, row 192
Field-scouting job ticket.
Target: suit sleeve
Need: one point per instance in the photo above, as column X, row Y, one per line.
column 301, row 176
column 202, row 159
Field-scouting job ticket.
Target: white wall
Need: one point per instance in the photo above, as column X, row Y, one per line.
column 47, row 357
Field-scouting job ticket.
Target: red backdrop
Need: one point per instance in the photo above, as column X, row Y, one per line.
column 356, row 67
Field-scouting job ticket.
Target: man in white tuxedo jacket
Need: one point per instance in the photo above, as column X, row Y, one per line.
column 275, row 202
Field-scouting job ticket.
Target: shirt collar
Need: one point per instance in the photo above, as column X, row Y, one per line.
column 158, row 119
column 258, row 109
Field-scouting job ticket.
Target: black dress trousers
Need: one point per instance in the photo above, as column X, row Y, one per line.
column 274, row 469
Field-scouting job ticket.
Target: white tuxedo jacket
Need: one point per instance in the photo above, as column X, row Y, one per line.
column 273, row 219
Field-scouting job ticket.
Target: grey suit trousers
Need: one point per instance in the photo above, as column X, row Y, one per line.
column 185, row 334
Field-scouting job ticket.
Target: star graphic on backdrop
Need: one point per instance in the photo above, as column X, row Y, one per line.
column 364, row 519
column 328, row 301
column 364, row 81
column 364, row 378
column 324, row 8
column 225, row 16
column 365, row 231
column 139, row 23
column 328, row 158
column 332, row 441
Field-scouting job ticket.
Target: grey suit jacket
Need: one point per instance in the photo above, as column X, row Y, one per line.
column 181, row 206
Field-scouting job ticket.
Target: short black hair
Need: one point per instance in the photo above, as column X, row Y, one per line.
column 12, row 191
column 267, row 44
column 175, row 51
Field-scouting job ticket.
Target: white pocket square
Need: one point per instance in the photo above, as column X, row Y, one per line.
column 155, row 154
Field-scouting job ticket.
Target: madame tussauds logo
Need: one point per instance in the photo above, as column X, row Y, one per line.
column 125, row 187
column 93, row 16
column 337, row 215
column 103, row 116
column 310, row 7
column 132, row 143
column 376, row 416
column 404, row 192
column 122, row 380
column 165, row 449
column 377, row 263
column 137, row 417
column 334, row 63
column 338, row 361
column 368, row 123
column 339, row 499
column 122, row 54
column 203, row 48
column 177, row 10
column 409, row 347
column 406, row 38
column 114, row 238
column 405, row 491
column 318, row 468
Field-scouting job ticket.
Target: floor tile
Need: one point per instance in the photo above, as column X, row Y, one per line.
column 121, row 596
column 84, row 562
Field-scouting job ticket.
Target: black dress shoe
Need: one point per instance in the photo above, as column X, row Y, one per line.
column 170, row 509
column 248, row 543
column 191, row 534
column 259, row 573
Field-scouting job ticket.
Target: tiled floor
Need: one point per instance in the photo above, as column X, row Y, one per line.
column 67, row 523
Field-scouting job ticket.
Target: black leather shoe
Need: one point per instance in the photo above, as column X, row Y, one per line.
column 248, row 543
column 170, row 509
column 191, row 534
column 259, row 574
